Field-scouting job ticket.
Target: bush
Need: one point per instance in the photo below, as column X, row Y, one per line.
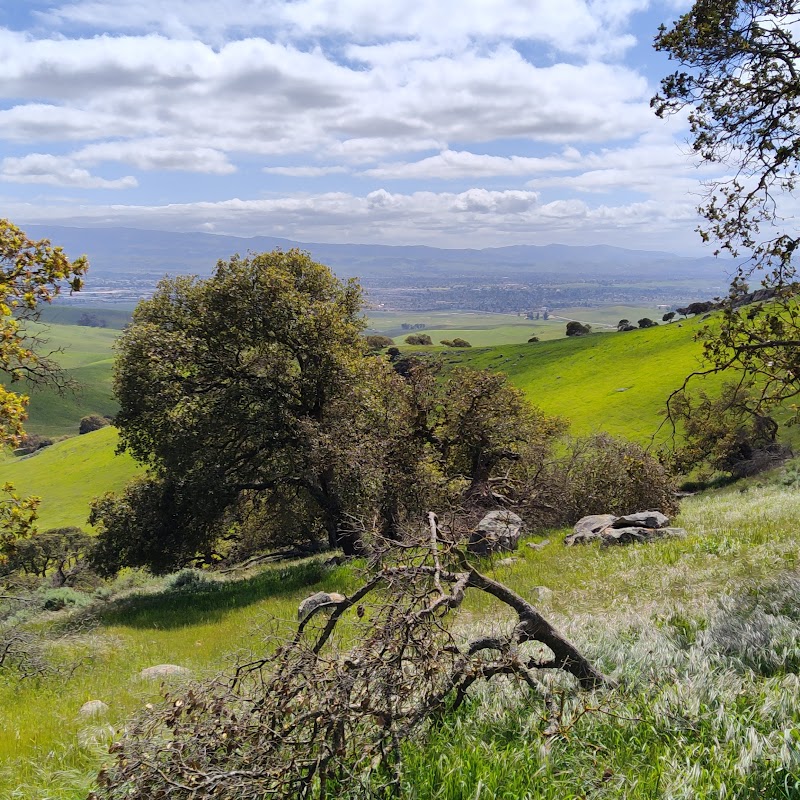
column 419, row 338
column 63, row 597
column 92, row 422
column 601, row 475
column 646, row 322
column 457, row 342
column 376, row 342
column 447, row 342
column 533, row 340
column 31, row 443
column 190, row 580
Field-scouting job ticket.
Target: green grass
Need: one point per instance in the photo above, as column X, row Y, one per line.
column 85, row 355
column 615, row 382
column 679, row 726
column 68, row 474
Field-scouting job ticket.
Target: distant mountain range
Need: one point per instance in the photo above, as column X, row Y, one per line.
column 116, row 251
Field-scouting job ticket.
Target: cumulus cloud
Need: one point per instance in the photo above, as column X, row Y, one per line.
column 55, row 171
column 304, row 172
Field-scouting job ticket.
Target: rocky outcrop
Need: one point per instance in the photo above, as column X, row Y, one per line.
column 589, row 529
column 164, row 671
column 644, row 526
column 499, row 531
column 315, row 601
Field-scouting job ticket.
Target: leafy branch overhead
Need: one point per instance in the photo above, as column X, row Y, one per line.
column 739, row 79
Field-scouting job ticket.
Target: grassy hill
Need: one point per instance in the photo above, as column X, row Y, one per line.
column 86, row 356
column 614, row 382
column 69, row 474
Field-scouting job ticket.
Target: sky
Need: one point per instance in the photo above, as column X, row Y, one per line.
column 453, row 123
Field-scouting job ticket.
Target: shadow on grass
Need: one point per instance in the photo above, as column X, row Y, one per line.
column 172, row 609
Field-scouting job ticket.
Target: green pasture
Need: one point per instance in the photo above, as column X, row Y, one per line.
column 614, row 382
column 86, row 356
column 69, row 474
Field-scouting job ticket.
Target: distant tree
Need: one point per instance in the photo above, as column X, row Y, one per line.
column 393, row 353
column 623, row 324
column 458, row 342
column 668, row 317
column 377, row 342
column 419, row 339
column 699, row 308
column 533, row 340
column 646, row 322
column 447, row 342
column 92, row 422
column 575, row 328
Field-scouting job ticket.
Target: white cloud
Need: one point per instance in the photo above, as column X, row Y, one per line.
column 55, row 171
column 476, row 217
column 158, row 154
column 304, row 172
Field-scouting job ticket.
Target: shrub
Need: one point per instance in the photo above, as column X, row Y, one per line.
column 31, row 443
column 63, row 597
column 447, row 342
column 419, row 338
column 457, row 342
column 377, row 342
column 668, row 317
column 601, row 475
column 92, row 422
column 533, row 340
column 188, row 581
column 646, row 322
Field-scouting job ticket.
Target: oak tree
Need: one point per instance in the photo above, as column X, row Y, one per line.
column 740, row 81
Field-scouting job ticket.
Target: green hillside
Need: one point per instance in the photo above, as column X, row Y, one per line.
column 614, row 382
column 69, row 474
column 86, row 356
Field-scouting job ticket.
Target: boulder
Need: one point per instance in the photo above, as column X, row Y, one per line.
column 317, row 600
column 507, row 562
column 164, row 671
column 612, row 536
column 498, row 531
column 541, row 594
column 93, row 708
column 644, row 519
column 588, row 529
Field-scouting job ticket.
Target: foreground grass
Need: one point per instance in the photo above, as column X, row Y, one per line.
column 688, row 721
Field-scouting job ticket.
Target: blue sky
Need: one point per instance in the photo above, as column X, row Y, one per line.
column 451, row 123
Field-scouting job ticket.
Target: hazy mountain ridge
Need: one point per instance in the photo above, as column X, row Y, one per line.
column 131, row 250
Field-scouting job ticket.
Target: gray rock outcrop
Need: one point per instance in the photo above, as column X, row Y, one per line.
column 644, row 526
column 164, row 671
column 588, row 529
column 499, row 531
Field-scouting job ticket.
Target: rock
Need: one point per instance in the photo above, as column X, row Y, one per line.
column 315, row 601
column 538, row 545
column 644, row 519
column 541, row 594
column 163, row 671
column 93, row 708
column 498, row 531
column 588, row 529
column 612, row 536
column 507, row 562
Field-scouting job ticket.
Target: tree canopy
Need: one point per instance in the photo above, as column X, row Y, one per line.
column 739, row 79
